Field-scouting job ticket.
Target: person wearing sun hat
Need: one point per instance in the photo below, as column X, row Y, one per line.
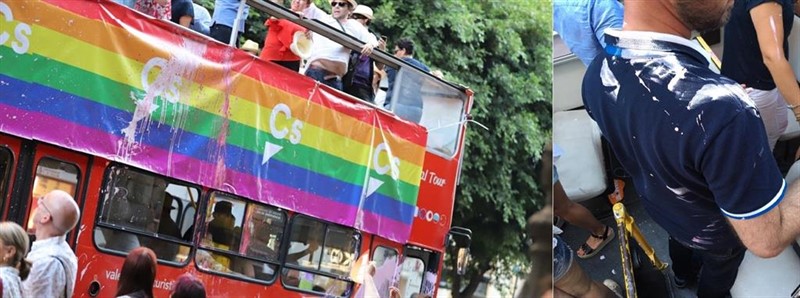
column 358, row 81
column 250, row 47
column 328, row 61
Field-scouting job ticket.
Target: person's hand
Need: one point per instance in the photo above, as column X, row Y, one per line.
column 309, row 34
column 382, row 44
column 394, row 292
column 796, row 111
column 367, row 49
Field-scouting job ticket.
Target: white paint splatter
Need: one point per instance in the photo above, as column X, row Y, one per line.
column 702, row 240
column 609, row 80
column 713, row 91
column 678, row 190
column 167, row 86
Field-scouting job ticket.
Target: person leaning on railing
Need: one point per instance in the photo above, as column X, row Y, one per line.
column 328, row 61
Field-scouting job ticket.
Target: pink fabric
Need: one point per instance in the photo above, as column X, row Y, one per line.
column 154, row 8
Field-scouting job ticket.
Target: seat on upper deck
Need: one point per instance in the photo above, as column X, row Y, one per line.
column 581, row 168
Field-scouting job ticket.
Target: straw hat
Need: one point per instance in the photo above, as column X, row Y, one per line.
column 364, row 11
column 301, row 45
column 250, row 46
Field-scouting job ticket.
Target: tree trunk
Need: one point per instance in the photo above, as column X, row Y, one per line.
column 456, row 282
column 474, row 280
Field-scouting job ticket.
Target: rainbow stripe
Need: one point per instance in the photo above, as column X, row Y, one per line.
column 104, row 80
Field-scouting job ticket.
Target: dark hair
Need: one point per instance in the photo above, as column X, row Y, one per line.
column 188, row 286
column 138, row 272
column 406, row 44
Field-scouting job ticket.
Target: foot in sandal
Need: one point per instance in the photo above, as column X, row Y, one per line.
column 595, row 243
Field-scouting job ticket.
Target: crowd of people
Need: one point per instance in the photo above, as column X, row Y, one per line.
column 294, row 47
column 695, row 142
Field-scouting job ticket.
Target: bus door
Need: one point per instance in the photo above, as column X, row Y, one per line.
column 10, row 148
column 385, row 255
column 51, row 168
column 418, row 271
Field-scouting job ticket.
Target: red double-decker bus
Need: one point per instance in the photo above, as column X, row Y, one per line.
column 254, row 178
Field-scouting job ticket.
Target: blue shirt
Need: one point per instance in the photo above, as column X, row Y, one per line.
column 128, row 3
column 391, row 74
column 741, row 56
column 225, row 13
column 691, row 139
column 577, row 20
column 202, row 19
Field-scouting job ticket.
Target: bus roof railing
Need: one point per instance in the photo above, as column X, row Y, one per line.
column 346, row 40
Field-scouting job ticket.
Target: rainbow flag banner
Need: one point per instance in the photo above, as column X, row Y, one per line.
column 96, row 77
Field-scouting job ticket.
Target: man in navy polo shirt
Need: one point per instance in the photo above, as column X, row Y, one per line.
column 692, row 141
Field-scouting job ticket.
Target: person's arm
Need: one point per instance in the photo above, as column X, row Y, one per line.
column 746, row 183
column 315, row 13
column 769, row 29
column 369, row 39
column 605, row 14
column 769, row 234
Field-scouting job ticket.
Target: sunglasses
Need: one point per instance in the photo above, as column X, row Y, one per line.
column 340, row 4
column 41, row 203
column 358, row 17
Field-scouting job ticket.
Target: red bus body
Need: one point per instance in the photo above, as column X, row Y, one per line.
column 41, row 151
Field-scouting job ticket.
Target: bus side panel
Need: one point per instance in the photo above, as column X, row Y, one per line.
column 93, row 264
column 435, row 204
column 104, row 268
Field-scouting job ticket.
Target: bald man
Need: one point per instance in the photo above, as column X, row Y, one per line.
column 54, row 265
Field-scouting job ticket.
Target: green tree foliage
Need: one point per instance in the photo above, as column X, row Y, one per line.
column 502, row 51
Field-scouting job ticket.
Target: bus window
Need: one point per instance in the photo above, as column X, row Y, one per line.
column 142, row 209
column 385, row 266
column 433, row 104
column 411, row 276
column 51, row 175
column 320, row 257
column 248, row 250
column 6, row 162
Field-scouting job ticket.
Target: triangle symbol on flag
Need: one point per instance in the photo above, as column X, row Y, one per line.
column 372, row 185
column 270, row 150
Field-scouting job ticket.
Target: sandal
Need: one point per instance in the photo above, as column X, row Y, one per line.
column 588, row 251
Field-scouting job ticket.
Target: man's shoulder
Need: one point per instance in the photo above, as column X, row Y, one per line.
column 689, row 81
column 417, row 63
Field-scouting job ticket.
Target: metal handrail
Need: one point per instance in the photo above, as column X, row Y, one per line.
column 346, row 40
column 627, row 228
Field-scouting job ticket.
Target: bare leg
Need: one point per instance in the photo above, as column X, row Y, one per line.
column 576, row 215
column 576, row 283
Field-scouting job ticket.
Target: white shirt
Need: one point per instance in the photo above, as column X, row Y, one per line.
column 12, row 285
column 327, row 49
column 48, row 277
